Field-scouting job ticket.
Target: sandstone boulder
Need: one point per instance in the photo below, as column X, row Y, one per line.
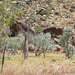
column 31, row 48
column 73, row 37
column 56, row 40
column 59, row 48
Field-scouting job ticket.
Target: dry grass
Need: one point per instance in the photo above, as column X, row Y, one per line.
column 53, row 64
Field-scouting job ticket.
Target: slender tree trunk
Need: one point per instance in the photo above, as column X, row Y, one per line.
column 3, row 58
column 44, row 52
column 25, row 50
column 39, row 52
column 67, row 49
column 35, row 52
column 0, row 55
column 68, row 54
column 8, row 57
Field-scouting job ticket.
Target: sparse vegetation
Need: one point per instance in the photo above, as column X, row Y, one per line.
column 38, row 28
column 44, row 42
column 14, row 43
column 65, row 40
column 52, row 6
column 39, row 65
column 33, row 29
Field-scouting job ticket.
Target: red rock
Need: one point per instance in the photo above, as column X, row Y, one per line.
column 31, row 48
column 59, row 48
column 54, row 30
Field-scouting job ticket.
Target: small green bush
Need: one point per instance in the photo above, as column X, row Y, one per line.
column 60, row 1
column 38, row 28
column 48, row 1
column 14, row 43
column 43, row 41
column 72, row 9
column 52, row 6
column 66, row 42
column 46, row 11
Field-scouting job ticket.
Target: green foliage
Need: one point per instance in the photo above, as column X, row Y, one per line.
column 14, row 43
column 52, row 6
column 46, row 42
column 46, row 11
column 3, row 38
column 65, row 40
column 43, row 41
column 66, row 37
column 70, row 51
column 38, row 28
column 48, row 1
column 72, row 9
column 9, row 12
column 60, row 1
column 19, row 12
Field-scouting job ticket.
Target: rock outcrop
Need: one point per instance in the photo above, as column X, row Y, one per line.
column 31, row 48
column 54, row 30
column 59, row 48
column 19, row 27
column 73, row 37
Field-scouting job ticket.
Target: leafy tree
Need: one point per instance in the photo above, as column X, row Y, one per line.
column 36, row 43
column 47, row 43
column 3, row 40
column 14, row 43
column 8, row 13
column 44, row 41
column 66, row 41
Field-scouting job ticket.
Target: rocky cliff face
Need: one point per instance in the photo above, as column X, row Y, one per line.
column 73, row 37
column 52, row 16
column 54, row 30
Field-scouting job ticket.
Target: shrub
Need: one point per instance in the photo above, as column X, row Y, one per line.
column 46, row 11
column 43, row 41
column 52, row 6
column 72, row 9
column 14, row 43
column 60, row 1
column 65, row 40
column 38, row 28
column 48, row 1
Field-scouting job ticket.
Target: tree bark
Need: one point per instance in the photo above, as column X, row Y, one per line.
column 3, row 58
column 25, row 50
column 35, row 52
column 44, row 52
column 0, row 55
column 67, row 49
